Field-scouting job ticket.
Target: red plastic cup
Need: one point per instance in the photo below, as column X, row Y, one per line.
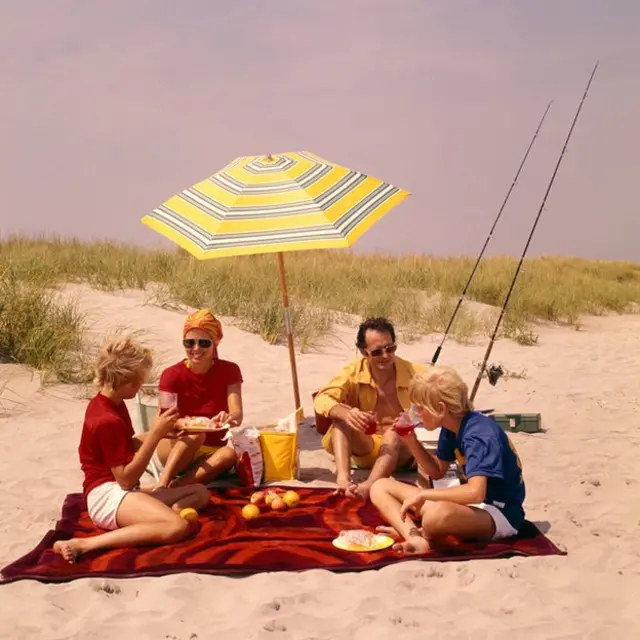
column 372, row 426
column 167, row 400
column 404, row 426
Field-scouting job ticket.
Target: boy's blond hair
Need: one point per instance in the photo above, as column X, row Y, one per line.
column 121, row 361
column 440, row 384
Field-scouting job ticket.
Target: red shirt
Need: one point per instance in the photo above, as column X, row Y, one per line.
column 106, row 441
column 201, row 394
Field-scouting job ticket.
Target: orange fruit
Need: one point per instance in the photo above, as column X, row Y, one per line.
column 250, row 511
column 257, row 497
column 278, row 504
column 189, row 514
column 291, row 499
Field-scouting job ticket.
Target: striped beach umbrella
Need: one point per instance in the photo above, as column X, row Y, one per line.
column 271, row 204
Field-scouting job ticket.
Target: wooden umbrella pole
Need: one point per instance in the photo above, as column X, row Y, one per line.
column 289, row 329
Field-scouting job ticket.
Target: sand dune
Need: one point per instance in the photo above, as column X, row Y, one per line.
column 581, row 474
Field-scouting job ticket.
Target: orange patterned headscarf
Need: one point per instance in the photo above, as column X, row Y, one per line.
column 205, row 320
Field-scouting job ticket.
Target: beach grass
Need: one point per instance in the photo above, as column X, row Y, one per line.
column 418, row 293
column 39, row 330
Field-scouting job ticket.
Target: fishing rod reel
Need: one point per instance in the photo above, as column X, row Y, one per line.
column 494, row 373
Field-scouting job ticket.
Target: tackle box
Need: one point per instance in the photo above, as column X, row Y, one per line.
column 525, row 422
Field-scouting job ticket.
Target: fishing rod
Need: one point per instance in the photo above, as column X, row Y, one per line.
column 436, row 355
column 533, row 228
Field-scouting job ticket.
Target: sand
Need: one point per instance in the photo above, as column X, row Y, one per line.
column 581, row 475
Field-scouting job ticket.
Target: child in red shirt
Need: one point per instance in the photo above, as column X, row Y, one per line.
column 206, row 386
column 113, row 461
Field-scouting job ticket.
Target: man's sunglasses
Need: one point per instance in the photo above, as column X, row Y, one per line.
column 203, row 343
column 390, row 348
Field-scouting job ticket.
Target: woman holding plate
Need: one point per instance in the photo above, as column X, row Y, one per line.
column 206, row 387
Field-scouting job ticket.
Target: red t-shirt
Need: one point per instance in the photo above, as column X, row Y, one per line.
column 106, row 441
column 201, row 394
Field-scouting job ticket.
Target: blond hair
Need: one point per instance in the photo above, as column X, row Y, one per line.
column 440, row 384
column 121, row 361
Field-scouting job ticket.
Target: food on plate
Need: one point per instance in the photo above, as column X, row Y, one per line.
column 278, row 504
column 200, row 423
column 359, row 539
column 257, row 497
column 291, row 499
column 250, row 511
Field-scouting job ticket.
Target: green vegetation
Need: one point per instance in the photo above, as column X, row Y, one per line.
column 418, row 293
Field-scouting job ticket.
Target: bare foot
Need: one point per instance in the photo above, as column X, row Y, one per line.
column 70, row 550
column 359, row 491
column 343, row 482
column 388, row 531
column 413, row 546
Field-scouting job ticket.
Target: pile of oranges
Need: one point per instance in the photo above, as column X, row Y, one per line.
column 274, row 498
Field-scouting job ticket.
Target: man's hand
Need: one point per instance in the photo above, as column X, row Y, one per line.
column 359, row 420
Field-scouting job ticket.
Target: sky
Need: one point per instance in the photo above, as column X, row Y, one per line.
column 109, row 107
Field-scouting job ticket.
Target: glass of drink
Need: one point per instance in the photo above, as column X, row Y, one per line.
column 408, row 421
column 167, row 400
column 372, row 425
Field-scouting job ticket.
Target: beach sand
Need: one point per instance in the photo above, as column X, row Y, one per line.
column 582, row 491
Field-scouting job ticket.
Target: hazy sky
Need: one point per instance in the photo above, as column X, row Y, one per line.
column 109, row 107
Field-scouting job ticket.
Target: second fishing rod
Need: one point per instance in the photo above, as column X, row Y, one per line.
column 436, row 355
column 533, row 229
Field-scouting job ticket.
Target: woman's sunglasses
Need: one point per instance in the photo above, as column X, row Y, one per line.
column 203, row 343
column 390, row 348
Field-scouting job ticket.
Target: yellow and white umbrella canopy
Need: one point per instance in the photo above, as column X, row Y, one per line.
column 275, row 203
column 272, row 204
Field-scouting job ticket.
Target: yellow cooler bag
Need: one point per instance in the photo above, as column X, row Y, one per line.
column 280, row 454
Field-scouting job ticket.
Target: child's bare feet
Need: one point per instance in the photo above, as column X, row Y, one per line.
column 388, row 531
column 70, row 550
column 415, row 545
column 343, row 482
column 359, row 491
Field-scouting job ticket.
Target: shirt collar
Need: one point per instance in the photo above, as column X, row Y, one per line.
column 403, row 373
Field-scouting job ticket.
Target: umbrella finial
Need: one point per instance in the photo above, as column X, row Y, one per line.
column 270, row 158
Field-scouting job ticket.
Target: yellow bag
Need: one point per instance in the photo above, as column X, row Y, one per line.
column 279, row 455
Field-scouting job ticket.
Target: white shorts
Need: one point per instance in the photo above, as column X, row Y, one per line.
column 103, row 503
column 503, row 526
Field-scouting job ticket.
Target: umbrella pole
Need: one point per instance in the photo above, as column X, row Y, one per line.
column 289, row 329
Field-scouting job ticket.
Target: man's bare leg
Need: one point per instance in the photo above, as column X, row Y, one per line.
column 392, row 454
column 388, row 495
column 346, row 442
column 209, row 468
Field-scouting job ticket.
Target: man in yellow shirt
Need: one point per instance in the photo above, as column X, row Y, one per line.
column 363, row 401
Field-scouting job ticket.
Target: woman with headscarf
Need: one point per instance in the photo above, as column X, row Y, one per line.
column 206, row 386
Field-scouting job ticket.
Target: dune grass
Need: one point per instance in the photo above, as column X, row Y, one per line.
column 418, row 293
column 38, row 330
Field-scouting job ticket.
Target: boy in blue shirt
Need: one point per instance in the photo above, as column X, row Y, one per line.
column 488, row 506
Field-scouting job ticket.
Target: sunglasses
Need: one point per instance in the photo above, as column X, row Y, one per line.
column 203, row 343
column 390, row 348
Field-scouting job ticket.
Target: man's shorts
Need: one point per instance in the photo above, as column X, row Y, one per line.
column 368, row 460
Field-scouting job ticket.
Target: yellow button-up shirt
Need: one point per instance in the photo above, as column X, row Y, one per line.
column 355, row 387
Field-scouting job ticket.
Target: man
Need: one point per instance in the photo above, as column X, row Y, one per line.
column 374, row 388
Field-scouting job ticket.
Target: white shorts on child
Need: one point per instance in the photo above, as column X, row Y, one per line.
column 503, row 526
column 103, row 503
